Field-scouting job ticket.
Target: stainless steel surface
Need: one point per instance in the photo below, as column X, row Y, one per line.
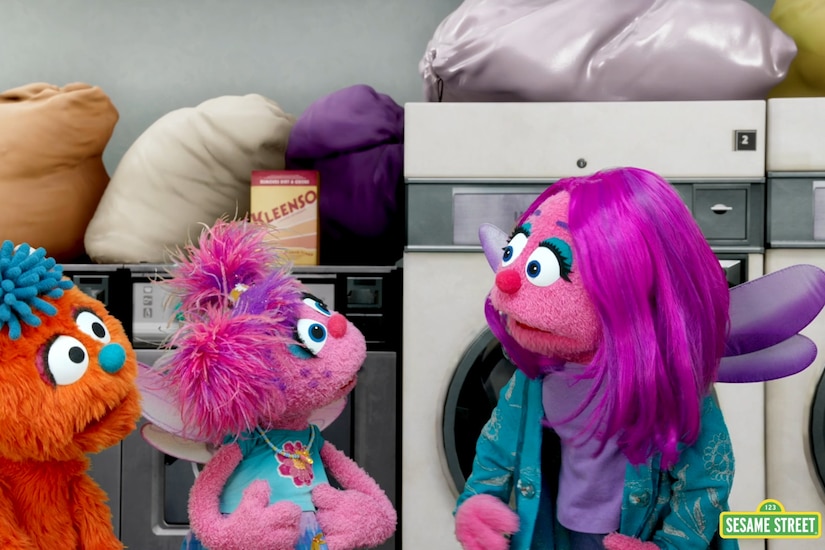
column 145, row 488
column 446, row 216
column 796, row 211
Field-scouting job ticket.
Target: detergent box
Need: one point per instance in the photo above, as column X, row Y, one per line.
column 288, row 201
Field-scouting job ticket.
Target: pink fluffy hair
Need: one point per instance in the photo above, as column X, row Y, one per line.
column 224, row 364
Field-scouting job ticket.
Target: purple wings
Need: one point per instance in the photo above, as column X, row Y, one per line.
column 766, row 315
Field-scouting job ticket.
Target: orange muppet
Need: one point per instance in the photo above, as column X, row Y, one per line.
column 67, row 388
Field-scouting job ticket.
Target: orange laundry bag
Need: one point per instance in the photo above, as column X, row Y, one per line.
column 51, row 167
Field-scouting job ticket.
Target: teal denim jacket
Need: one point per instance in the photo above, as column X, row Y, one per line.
column 677, row 508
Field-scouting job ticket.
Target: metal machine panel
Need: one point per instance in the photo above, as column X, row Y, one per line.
column 698, row 140
column 796, row 210
column 449, row 214
column 796, row 132
column 446, row 216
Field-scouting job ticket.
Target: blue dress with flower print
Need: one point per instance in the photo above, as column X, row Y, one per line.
column 290, row 475
column 289, row 478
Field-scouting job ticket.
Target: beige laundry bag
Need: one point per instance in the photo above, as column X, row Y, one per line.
column 51, row 168
column 191, row 167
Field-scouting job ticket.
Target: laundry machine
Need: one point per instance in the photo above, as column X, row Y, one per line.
column 795, row 406
column 470, row 163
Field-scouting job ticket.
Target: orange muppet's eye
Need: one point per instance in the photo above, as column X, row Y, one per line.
column 66, row 360
column 92, row 325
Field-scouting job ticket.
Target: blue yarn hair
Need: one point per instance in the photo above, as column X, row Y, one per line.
column 25, row 276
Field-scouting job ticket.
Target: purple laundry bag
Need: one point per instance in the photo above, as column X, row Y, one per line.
column 354, row 138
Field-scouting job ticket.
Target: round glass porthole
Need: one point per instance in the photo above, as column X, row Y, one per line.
column 471, row 398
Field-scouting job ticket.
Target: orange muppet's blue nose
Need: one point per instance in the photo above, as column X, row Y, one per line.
column 112, row 358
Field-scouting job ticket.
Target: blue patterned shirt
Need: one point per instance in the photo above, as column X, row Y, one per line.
column 677, row 509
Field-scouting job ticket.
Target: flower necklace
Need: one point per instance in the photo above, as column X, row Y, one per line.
column 302, row 454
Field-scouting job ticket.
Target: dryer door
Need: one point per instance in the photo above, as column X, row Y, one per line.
column 471, row 398
column 818, row 430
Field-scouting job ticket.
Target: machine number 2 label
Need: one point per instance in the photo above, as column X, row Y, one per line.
column 744, row 140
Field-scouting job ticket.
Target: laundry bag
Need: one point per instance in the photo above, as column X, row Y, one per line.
column 354, row 138
column 804, row 21
column 51, row 168
column 191, row 167
column 604, row 50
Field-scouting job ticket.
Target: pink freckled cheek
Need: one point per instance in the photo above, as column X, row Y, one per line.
column 307, row 378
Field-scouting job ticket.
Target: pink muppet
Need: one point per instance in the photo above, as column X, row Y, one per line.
column 255, row 357
column 613, row 306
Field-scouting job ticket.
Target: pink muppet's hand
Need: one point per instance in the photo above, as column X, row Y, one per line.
column 615, row 541
column 254, row 523
column 360, row 516
column 482, row 522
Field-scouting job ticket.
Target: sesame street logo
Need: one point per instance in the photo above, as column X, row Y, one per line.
column 770, row 521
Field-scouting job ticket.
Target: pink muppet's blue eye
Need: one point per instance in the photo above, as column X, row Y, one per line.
column 549, row 262
column 316, row 303
column 311, row 334
column 317, row 332
column 517, row 242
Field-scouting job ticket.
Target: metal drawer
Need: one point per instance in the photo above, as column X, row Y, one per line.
column 730, row 215
column 448, row 215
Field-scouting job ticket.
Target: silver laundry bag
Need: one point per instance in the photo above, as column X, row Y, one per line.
column 605, row 50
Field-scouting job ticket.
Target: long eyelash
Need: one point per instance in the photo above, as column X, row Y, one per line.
column 520, row 229
column 565, row 263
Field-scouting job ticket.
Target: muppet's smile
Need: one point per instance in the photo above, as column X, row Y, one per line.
column 548, row 342
column 350, row 385
column 515, row 325
column 112, row 416
column 101, row 420
column 524, row 326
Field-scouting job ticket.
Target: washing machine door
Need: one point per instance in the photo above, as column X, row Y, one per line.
column 818, row 429
column 471, row 398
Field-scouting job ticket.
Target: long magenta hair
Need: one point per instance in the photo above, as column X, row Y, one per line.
column 662, row 298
